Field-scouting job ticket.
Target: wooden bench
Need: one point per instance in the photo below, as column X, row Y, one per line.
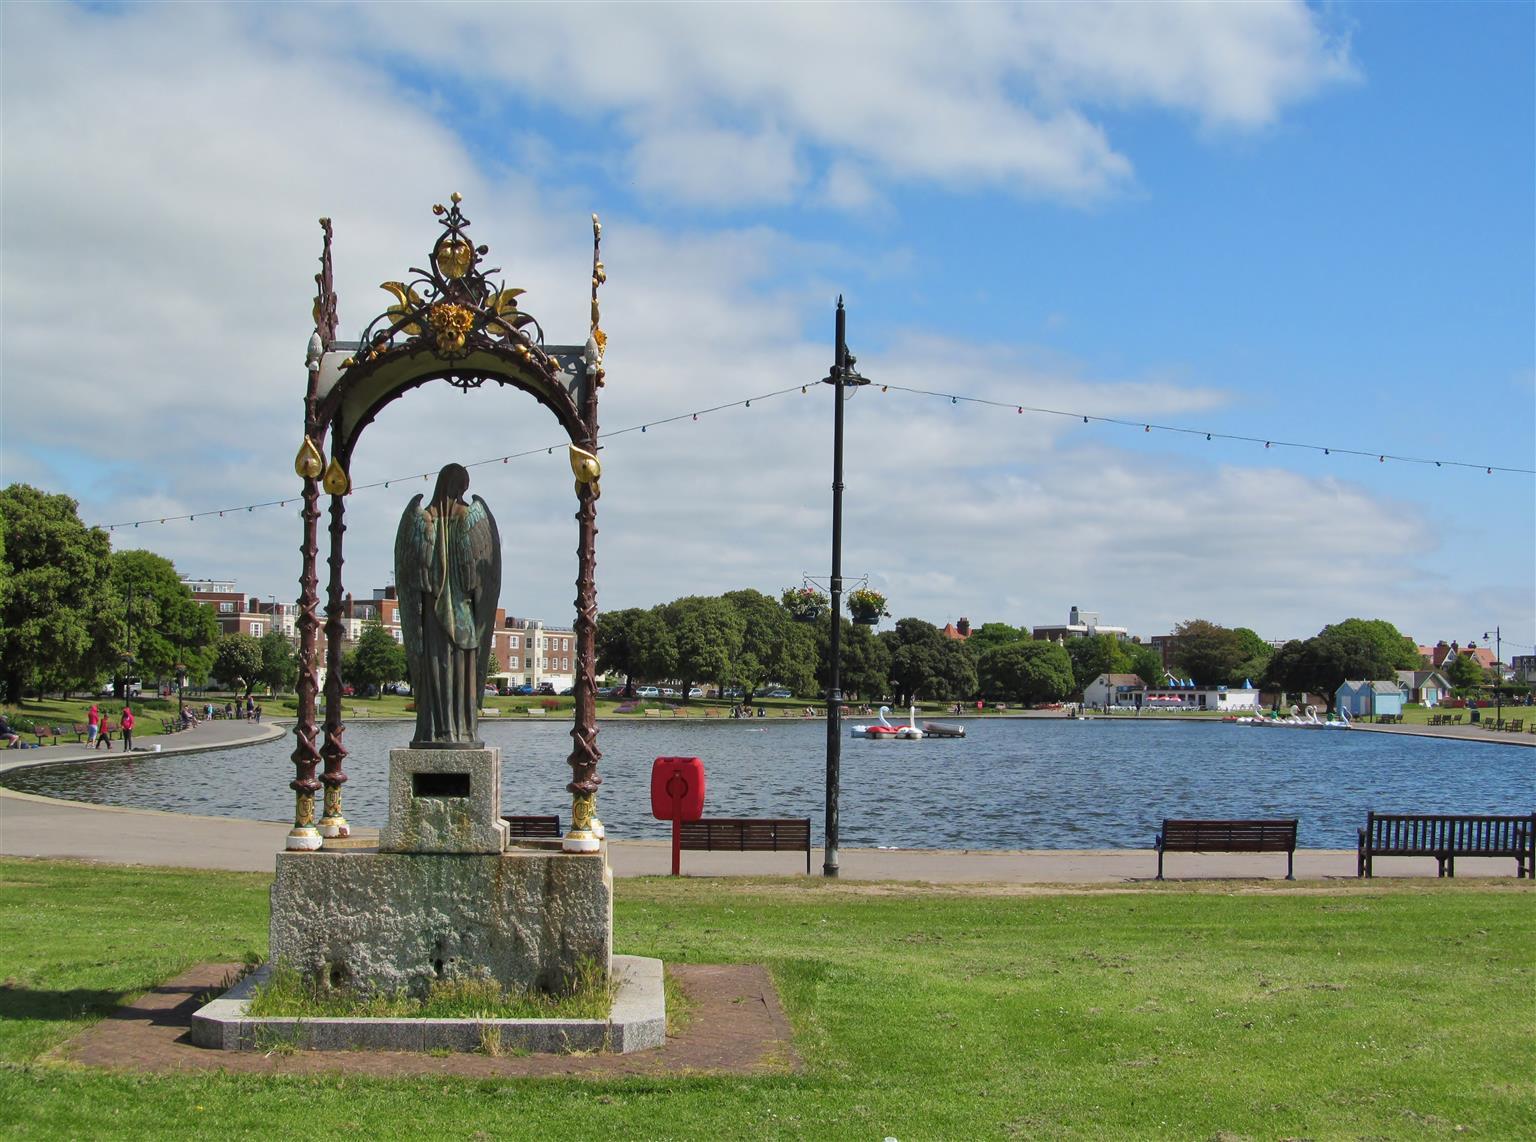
column 40, row 732
column 1446, row 836
column 1188, row 836
column 519, row 827
column 749, row 834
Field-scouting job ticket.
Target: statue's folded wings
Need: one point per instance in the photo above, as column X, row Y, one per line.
column 478, row 567
column 414, row 544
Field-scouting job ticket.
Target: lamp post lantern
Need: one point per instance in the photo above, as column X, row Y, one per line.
column 845, row 382
column 1498, row 672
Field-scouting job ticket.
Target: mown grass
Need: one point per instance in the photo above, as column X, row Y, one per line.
column 1221, row 1010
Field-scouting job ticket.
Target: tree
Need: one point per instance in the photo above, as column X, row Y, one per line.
column 55, row 604
column 1101, row 654
column 708, row 635
column 378, row 658
column 988, row 635
column 1256, row 654
column 1396, row 649
column 636, row 643
column 1144, row 662
column 1465, row 673
column 237, row 662
column 1323, row 662
column 1026, row 672
column 165, row 625
column 957, row 670
column 279, row 664
column 774, row 647
column 864, row 660
column 1207, row 652
column 916, row 667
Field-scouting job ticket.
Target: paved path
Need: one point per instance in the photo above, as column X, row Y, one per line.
column 33, row 826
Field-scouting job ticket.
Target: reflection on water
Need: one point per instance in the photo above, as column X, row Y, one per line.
column 1050, row 784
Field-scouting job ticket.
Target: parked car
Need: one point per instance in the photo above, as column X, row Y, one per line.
column 696, row 692
column 522, row 688
column 568, row 691
column 779, row 693
column 544, row 688
column 668, row 692
column 647, row 692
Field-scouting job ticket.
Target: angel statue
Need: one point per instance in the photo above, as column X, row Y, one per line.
column 448, row 577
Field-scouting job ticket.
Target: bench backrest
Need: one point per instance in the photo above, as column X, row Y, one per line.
column 533, row 826
column 1230, row 836
column 748, row 834
column 1429, row 833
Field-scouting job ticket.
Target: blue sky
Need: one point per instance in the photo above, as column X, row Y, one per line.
column 1313, row 224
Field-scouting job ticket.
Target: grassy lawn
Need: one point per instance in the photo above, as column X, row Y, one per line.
column 1343, row 1011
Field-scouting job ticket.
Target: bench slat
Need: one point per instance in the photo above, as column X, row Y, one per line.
column 1445, row 836
column 748, row 834
column 1233, row 836
column 532, row 826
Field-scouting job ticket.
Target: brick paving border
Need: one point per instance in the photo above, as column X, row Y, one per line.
column 736, row 1026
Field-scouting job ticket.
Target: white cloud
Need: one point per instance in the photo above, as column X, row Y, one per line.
column 952, row 95
column 164, row 168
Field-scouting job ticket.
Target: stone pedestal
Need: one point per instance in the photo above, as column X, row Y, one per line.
column 444, row 801
column 443, row 897
column 379, row 921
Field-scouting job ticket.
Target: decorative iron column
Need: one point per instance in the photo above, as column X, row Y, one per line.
column 586, row 833
column 310, row 464
column 841, row 378
column 333, row 824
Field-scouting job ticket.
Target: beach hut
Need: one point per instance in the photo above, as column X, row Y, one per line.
column 1369, row 699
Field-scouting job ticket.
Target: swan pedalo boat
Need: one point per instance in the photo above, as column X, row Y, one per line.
column 908, row 732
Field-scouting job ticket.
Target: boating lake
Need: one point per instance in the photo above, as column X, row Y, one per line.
column 1010, row 784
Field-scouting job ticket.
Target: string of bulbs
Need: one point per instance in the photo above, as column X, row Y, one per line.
column 953, row 398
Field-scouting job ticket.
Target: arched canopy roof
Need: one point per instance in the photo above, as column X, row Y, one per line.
column 451, row 323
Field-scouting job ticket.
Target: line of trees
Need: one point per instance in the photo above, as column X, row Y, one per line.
column 74, row 613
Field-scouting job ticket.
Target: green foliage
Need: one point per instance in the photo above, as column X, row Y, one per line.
column 165, row 625
column 988, row 635
column 237, row 662
column 1147, row 664
column 1026, row 673
column 866, row 602
column 636, row 643
column 1323, row 662
column 1395, row 650
column 803, row 601
column 1465, row 673
column 56, row 610
column 916, row 667
column 864, row 667
column 708, row 633
column 1101, row 654
column 1211, row 654
column 774, row 647
column 279, row 664
column 377, row 659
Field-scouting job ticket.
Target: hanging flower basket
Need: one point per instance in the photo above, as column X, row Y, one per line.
column 866, row 606
column 804, row 604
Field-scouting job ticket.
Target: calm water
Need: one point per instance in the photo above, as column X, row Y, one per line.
column 1010, row 784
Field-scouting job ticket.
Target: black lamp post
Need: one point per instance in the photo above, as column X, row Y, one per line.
column 181, row 677
column 841, row 378
column 1498, row 672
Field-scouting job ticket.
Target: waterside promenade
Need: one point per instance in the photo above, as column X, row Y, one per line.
column 33, row 826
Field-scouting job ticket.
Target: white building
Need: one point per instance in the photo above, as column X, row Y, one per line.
column 1127, row 691
column 1079, row 624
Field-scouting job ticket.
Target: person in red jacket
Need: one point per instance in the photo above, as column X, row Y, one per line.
column 92, row 725
column 127, row 725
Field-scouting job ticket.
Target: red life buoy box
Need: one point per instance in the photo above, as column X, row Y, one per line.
column 677, row 788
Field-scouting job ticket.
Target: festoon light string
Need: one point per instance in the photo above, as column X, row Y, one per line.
column 953, row 398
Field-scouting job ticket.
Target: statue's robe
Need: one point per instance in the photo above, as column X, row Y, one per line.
column 448, row 580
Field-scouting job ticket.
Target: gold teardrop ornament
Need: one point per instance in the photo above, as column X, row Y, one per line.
column 586, row 466
column 309, row 463
column 336, row 481
column 454, row 257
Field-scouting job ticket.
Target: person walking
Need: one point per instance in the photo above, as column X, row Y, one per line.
column 92, row 725
column 104, row 738
column 127, row 724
